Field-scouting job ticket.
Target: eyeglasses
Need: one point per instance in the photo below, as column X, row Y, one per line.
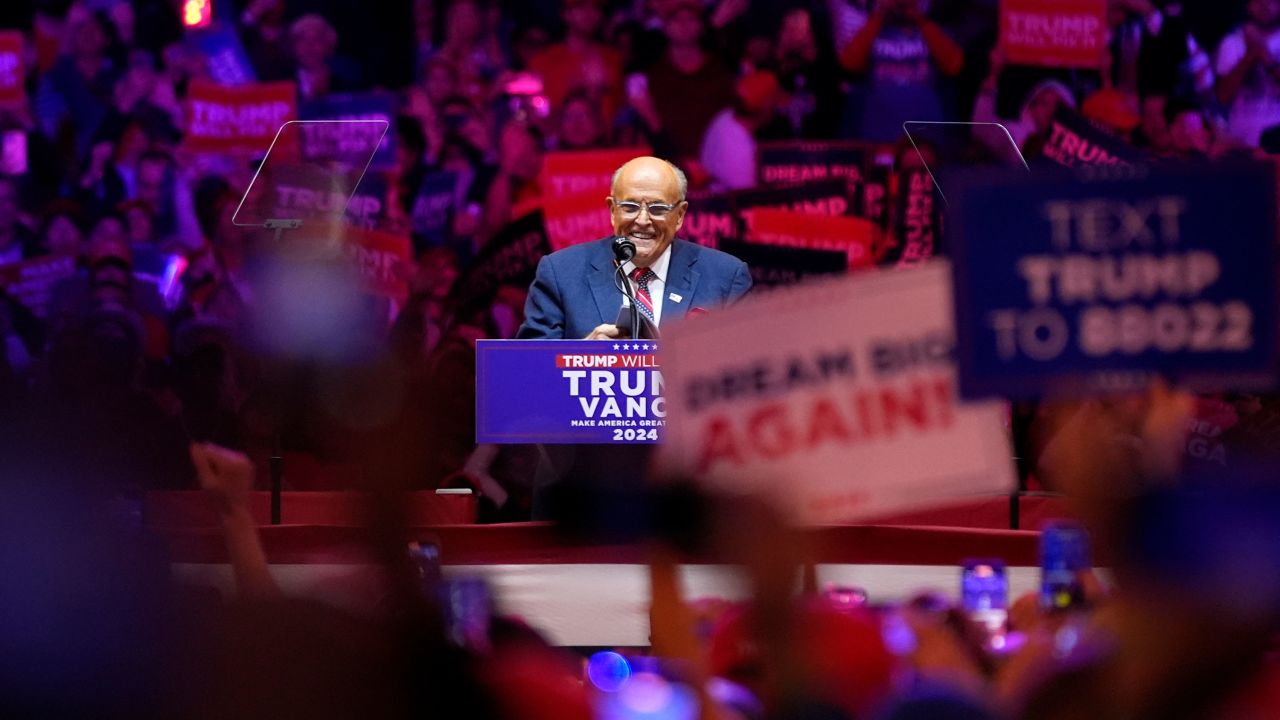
column 632, row 209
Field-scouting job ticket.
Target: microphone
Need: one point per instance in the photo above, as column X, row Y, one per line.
column 623, row 249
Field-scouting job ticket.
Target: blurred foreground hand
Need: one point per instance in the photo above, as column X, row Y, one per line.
column 226, row 474
column 1110, row 450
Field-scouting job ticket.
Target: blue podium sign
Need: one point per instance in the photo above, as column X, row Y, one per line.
column 568, row 391
column 1100, row 281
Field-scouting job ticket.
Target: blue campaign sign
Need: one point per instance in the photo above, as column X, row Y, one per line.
column 568, row 391
column 1100, row 280
column 432, row 210
column 322, row 141
column 228, row 62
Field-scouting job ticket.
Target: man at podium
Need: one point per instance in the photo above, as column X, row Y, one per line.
column 574, row 294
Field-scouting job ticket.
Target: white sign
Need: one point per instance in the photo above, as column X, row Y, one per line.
column 837, row 400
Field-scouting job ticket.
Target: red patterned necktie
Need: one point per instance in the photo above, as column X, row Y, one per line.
column 642, row 277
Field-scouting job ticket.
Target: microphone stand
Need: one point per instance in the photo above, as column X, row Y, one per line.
column 624, row 250
column 275, row 465
column 620, row 280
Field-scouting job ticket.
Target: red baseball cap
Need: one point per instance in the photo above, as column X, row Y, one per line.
column 844, row 650
column 1111, row 108
column 533, row 683
column 760, row 91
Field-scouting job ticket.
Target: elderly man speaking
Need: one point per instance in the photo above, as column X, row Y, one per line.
column 574, row 294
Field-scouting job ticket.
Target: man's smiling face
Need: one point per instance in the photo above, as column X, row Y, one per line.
column 647, row 207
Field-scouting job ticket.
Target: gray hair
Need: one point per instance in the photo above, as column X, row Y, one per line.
column 682, row 182
column 314, row 21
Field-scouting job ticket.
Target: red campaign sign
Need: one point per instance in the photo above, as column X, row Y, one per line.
column 1053, row 33
column 575, row 218
column 816, row 232
column 240, row 118
column 381, row 259
column 12, row 72
column 580, row 171
column 31, row 282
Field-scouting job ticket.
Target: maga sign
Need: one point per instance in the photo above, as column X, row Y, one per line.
column 1071, row 285
column 837, row 400
column 568, row 391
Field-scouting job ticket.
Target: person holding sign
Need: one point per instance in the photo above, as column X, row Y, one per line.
column 573, row 294
column 902, row 59
column 1248, row 67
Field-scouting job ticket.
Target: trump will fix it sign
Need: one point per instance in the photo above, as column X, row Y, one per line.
column 241, row 118
column 1053, row 33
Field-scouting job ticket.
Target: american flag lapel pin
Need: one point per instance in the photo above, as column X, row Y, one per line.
column 673, row 297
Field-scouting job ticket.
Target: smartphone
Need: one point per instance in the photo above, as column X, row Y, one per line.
column 171, row 281
column 984, row 594
column 623, row 322
column 426, row 561
column 1064, row 555
column 467, row 604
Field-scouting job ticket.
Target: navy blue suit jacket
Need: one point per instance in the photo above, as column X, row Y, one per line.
column 574, row 289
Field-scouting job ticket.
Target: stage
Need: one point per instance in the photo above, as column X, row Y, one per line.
column 586, row 594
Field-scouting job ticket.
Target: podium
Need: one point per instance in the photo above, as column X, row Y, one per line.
column 569, row 392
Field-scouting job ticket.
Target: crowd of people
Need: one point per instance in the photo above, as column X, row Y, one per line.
column 171, row 329
column 1183, row 626
column 99, row 173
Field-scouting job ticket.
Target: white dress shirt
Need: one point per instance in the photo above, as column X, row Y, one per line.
column 657, row 285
